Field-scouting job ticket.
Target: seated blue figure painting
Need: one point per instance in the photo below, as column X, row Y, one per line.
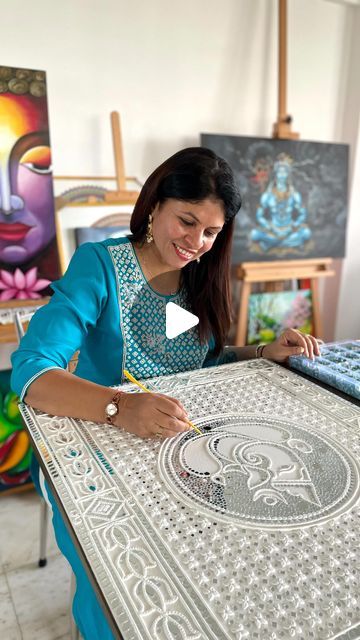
column 294, row 197
column 281, row 214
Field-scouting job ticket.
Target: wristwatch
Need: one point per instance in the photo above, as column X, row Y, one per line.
column 112, row 409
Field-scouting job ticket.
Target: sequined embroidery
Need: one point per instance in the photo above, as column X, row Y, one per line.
column 147, row 350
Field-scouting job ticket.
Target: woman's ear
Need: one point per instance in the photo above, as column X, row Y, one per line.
column 155, row 210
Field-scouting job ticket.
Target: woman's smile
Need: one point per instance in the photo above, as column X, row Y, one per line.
column 183, row 231
column 183, row 253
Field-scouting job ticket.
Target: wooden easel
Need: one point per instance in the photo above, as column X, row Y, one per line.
column 255, row 272
column 282, row 127
column 269, row 272
column 121, row 195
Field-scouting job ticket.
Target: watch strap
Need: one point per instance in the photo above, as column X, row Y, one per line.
column 115, row 400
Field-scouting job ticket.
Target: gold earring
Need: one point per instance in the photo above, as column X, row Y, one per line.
column 198, row 260
column 149, row 233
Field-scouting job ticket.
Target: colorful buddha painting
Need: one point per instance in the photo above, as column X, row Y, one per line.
column 28, row 253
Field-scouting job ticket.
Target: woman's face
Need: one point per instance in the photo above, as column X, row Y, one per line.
column 27, row 222
column 184, row 231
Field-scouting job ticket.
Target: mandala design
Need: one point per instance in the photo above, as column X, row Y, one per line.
column 261, row 472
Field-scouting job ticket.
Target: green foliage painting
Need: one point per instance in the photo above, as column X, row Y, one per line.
column 15, row 449
column 271, row 313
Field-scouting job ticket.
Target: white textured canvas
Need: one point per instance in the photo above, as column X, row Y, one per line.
column 250, row 531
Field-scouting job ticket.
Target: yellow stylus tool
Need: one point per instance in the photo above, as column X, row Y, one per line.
column 131, row 378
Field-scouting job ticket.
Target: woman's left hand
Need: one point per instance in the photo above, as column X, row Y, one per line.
column 291, row 343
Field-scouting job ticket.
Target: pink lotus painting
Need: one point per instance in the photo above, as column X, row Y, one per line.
column 28, row 252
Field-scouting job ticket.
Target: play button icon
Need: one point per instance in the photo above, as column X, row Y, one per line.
column 178, row 320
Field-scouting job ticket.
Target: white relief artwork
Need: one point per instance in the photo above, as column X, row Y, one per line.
column 248, row 531
column 260, row 471
column 153, row 595
column 272, row 468
column 175, row 627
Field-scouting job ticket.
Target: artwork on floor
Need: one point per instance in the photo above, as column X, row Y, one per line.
column 28, row 250
column 15, row 449
column 271, row 313
column 294, row 197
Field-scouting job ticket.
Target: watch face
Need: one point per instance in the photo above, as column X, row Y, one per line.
column 111, row 409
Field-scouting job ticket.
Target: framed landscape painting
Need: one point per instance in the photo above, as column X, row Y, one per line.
column 271, row 313
column 294, row 197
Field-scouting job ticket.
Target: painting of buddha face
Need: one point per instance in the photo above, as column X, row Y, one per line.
column 27, row 224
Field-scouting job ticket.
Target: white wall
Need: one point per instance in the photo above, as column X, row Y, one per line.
column 348, row 312
column 348, row 308
column 174, row 69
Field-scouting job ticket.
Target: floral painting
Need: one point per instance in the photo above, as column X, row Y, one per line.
column 28, row 251
column 271, row 313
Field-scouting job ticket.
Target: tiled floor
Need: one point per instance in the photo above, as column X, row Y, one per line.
column 34, row 603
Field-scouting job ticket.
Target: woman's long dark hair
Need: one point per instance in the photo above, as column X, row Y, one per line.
column 193, row 175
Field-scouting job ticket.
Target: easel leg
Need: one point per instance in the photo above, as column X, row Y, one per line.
column 317, row 322
column 243, row 315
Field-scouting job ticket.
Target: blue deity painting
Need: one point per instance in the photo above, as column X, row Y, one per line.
column 294, row 197
column 281, row 215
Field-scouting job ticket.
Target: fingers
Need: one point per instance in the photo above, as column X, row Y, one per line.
column 178, row 403
column 171, row 417
column 171, row 429
column 171, row 425
column 153, row 415
column 171, row 407
column 315, row 345
column 311, row 347
column 307, row 342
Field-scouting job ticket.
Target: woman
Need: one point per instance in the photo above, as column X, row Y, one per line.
column 111, row 305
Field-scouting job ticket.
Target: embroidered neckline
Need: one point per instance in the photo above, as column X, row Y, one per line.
column 147, row 351
column 160, row 295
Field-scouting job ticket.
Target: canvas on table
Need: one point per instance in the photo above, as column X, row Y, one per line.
column 294, row 197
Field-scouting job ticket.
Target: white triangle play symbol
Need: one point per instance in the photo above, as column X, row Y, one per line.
column 178, row 320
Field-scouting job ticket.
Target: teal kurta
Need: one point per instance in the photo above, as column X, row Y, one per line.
column 104, row 307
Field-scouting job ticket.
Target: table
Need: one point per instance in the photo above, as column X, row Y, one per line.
column 250, row 531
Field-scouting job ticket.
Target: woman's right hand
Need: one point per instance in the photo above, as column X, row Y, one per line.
column 151, row 415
